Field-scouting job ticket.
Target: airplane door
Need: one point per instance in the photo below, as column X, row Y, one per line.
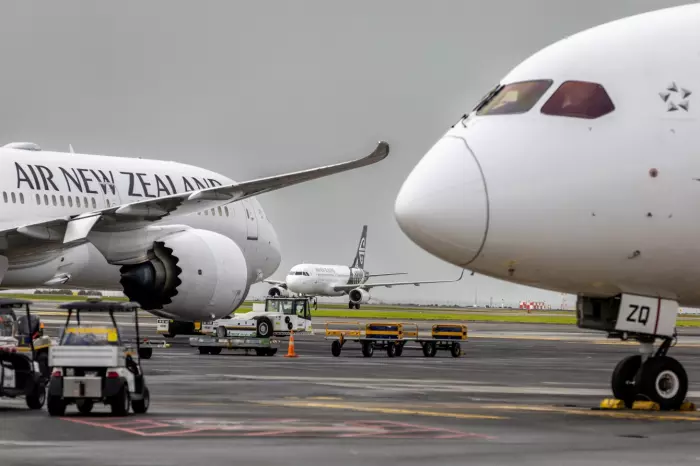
column 252, row 220
column 109, row 192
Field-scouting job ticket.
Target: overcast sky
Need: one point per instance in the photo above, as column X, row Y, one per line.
column 255, row 88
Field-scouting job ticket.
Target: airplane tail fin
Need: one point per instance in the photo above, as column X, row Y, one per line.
column 359, row 261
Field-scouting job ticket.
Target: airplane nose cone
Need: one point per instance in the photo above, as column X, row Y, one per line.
column 443, row 204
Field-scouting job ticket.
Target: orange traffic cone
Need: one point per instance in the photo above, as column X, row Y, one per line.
column 290, row 348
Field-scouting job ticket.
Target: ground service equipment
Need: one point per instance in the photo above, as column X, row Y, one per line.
column 95, row 362
column 20, row 371
column 392, row 337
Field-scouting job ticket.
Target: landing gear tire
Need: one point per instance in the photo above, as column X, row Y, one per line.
column 663, row 380
column 623, row 379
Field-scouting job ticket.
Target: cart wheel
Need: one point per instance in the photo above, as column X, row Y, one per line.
column 391, row 349
column 145, row 353
column 456, row 350
column 203, row 350
column 271, row 351
column 335, row 348
column 56, row 406
column 214, row 351
column 85, row 406
column 37, row 397
column 429, row 349
column 141, row 406
column 399, row 350
column 264, row 327
column 367, row 349
column 121, row 402
column 221, row 332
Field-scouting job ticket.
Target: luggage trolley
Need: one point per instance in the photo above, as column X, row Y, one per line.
column 393, row 337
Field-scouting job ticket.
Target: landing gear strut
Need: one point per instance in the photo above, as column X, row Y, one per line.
column 652, row 376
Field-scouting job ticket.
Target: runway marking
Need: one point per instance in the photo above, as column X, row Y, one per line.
column 351, row 407
column 213, row 427
column 580, row 411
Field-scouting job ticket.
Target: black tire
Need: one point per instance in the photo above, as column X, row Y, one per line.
column 399, row 350
column 335, row 348
column 351, row 305
column 264, row 327
column 623, row 379
column 391, row 349
column 56, row 406
column 84, row 406
column 121, row 402
column 141, row 406
column 429, row 349
column 357, row 306
column 169, row 335
column 42, row 360
column 367, row 349
column 215, row 351
column 664, row 381
column 221, row 332
column 145, row 353
column 203, row 350
column 456, row 350
column 37, row 397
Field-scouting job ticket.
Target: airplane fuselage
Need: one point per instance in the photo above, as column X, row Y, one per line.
column 598, row 198
column 320, row 279
column 41, row 185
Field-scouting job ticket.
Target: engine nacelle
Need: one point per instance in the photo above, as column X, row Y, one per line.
column 359, row 296
column 278, row 292
column 190, row 275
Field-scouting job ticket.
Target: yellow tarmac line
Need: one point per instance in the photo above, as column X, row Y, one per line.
column 370, row 409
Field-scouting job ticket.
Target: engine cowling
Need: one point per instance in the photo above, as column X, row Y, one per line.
column 359, row 296
column 190, row 275
column 278, row 291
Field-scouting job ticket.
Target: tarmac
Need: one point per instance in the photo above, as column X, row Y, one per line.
column 520, row 394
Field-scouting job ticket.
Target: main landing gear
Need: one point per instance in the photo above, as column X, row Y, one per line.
column 651, row 376
column 353, row 305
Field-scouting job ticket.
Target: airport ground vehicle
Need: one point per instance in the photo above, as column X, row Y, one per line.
column 213, row 345
column 393, row 337
column 277, row 316
column 94, row 362
column 20, row 371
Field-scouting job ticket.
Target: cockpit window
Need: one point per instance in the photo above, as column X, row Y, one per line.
column 579, row 99
column 514, row 98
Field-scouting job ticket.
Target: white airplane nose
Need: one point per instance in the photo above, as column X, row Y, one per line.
column 443, row 204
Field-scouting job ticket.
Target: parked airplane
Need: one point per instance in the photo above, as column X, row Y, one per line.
column 184, row 242
column 315, row 280
column 579, row 173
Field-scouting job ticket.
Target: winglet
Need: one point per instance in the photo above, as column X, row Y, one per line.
column 70, row 146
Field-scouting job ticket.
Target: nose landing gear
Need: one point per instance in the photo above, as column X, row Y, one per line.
column 653, row 376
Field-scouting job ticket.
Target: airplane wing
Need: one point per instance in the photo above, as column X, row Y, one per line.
column 386, row 274
column 368, row 286
column 275, row 282
column 75, row 228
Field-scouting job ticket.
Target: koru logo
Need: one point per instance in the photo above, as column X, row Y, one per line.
column 676, row 98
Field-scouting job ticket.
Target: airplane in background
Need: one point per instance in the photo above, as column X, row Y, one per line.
column 184, row 242
column 578, row 173
column 313, row 280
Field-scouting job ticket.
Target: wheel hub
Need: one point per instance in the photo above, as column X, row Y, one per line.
column 667, row 384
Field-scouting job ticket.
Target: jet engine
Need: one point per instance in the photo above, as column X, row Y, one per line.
column 278, row 292
column 358, row 296
column 193, row 274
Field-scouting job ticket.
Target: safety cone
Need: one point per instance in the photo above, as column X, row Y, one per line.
column 290, row 348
